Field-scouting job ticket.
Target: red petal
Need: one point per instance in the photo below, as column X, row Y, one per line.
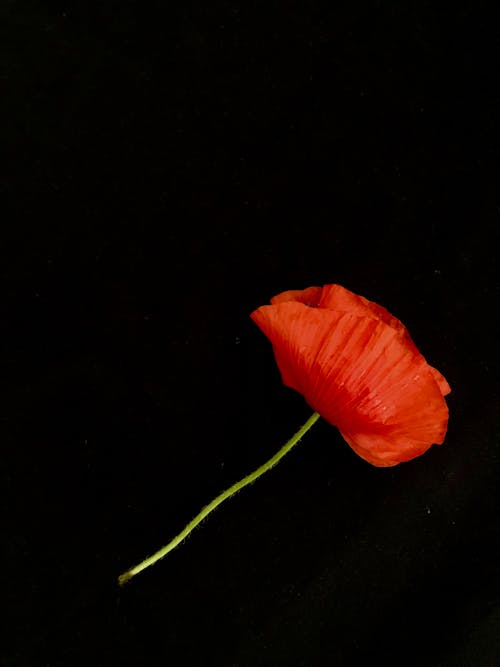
column 338, row 298
column 443, row 385
column 309, row 296
column 360, row 373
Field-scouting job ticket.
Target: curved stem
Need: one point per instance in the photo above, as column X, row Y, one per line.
column 126, row 576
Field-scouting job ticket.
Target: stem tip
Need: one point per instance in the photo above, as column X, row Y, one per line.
column 123, row 578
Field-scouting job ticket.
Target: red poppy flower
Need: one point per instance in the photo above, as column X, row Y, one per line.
column 357, row 366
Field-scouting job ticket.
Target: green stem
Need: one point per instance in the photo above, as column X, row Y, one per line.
column 126, row 576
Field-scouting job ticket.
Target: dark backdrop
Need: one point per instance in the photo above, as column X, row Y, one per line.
column 166, row 168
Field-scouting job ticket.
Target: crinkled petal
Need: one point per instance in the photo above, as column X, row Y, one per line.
column 337, row 298
column 310, row 296
column 360, row 374
column 441, row 381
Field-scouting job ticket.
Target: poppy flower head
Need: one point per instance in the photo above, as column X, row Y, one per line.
column 357, row 366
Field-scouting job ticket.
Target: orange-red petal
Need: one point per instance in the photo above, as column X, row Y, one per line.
column 357, row 366
column 310, row 296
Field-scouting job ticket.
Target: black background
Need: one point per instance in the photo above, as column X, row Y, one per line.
column 166, row 168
